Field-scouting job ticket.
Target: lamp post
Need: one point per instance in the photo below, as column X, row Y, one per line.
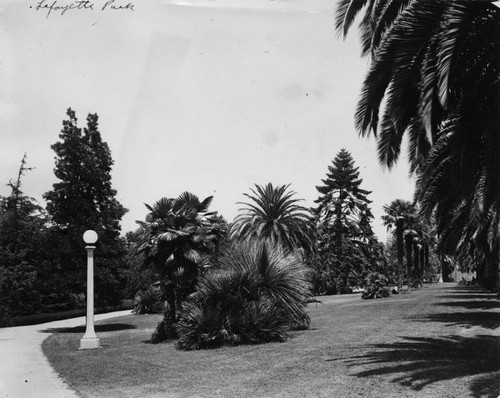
column 90, row 339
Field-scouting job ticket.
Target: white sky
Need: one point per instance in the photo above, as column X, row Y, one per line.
column 208, row 96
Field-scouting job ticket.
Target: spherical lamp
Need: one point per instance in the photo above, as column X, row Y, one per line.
column 90, row 237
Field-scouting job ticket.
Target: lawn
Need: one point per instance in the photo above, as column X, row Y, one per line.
column 439, row 341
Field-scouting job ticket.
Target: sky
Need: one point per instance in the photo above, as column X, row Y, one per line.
column 206, row 96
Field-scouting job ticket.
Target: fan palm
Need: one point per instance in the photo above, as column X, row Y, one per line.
column 255, row 295
column 174, row 238
column 273, row 215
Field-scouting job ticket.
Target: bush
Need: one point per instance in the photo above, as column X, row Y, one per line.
column 258, row 322
column 376, row 286
column 19, row 291
column 165, row 330
column 467, row 282
column 149, row 301
column 253, row 296
column 415, row 281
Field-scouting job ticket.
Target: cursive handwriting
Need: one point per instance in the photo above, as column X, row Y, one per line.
column 76, row 5
column 50, row 6
column 111, row 4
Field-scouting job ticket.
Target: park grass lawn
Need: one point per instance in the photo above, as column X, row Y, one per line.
column 439, row 341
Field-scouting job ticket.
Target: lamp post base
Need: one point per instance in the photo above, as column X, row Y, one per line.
column 89, row 343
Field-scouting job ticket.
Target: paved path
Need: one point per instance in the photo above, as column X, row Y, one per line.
column 24, row 370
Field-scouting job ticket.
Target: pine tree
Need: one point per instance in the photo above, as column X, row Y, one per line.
column 17, row 213
column 21, row 248
column 84, row 199
column 346, row 242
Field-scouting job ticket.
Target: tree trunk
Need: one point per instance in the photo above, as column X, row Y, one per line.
column 416, row 260
column 400, row 247
column 171, row 300
column 496, row 264
column 409, row 257
column 441, row 268
column 426, row 258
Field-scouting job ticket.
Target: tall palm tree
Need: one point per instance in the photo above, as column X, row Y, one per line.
column 425, row 54
column 436, row 66
column 273, row 215
column 175, row 238
column 399, row 216
column 464, row 204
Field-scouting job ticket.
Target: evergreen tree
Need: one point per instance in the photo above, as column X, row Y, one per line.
column 84, row 199
column 21, row 245
column 346, row 242
column 18, row 216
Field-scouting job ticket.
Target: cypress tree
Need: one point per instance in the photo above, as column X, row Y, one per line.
column 84, row 199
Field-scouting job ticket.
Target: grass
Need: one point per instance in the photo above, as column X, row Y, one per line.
column 440, row 341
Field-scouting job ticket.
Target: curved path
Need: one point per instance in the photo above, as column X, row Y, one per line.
column 24, row 370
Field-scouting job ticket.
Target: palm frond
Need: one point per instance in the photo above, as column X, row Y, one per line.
column 274, row 215
column 345, row 14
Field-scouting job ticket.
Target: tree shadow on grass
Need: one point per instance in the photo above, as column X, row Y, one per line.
column 473, row 305
column 467, row 289
column 110, row 327
column 417, row 362
column 467, row 296
column 487, row 320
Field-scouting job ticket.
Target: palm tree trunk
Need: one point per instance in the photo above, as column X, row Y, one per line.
column 400, row 248
column 416, row 260
column 422, row 262
column 426, row 258
column 441, row 268
column 171, row 300
column 496, row 264
column 409, row 256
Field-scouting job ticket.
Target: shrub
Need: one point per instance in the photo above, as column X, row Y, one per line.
column 376, row 286
column 467, row 282
column 165, row 330
column 19, row 290
column 148, row 301
column 415, row 281
column 254, row 296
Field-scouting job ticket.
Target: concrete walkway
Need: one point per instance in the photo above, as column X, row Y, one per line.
column 24, row 370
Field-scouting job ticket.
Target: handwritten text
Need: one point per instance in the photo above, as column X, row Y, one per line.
column 54, row 6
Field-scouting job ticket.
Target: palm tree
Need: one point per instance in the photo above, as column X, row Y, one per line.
column 436, row 66
column 399, row 216
column 426, row 53
column 411, row 240
column 273, row 215
column 175, row 238
column 464, row 204
column 254, row 296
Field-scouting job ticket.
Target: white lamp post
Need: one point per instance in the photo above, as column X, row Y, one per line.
column 90, row 339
